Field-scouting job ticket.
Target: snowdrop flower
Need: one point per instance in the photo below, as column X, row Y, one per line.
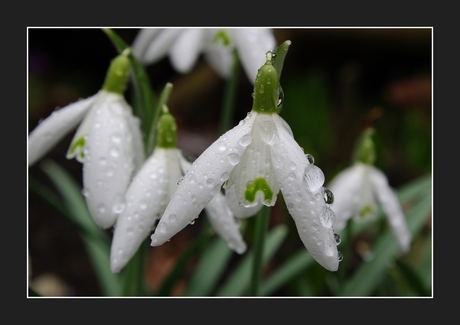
column 184, row 46
column 108, row 142
column 255, row 160
column 358, row 188
column 149, row 193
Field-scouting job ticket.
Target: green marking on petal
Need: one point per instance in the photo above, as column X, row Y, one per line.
column 222, row 37
column 79, row 143
column 366, row 210
column 259, row 184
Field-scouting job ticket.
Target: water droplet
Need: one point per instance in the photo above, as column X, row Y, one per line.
column 143, row 205
column 280, row 97
column 210, row 182
column 234, row 158
column 337, row 239
column 85, row 192
column 161, row 228
column 328, row 196
column 314, row 177
column 245, row 140
column 102, row 161
column 340, row 256
column 310, row 158
column 224, row 177
column 116, row 138
column 192, row 222
column 172, row 218
column 327, row 217
column 222, row 147
column 130, row 231
column 114, row 152
column 119, row 207
column 101, row 208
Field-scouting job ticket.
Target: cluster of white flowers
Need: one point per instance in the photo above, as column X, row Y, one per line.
column 241, row 171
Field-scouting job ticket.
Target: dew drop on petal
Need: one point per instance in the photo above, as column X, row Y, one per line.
column 221, row 146
column 161, row 228
column 310, row 158
column 245, row 140
column 326, row 217
column 172, row 218
column 340, row 256
column 234, row 158
column 224, row 176
column 328, row 196
column 314, row 177
column 337, row 239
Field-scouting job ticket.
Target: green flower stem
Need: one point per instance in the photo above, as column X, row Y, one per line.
column 162, row 101
column 230, row 96
column 134, row 277
column 260, row 231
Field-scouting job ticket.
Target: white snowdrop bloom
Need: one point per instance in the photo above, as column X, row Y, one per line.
column 149, row 193
column 185, row 45
column 108, row 142
column 360, row 188
column 254, row 161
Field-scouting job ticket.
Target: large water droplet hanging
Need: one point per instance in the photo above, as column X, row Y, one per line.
column 310, row 158
column 340, row 256
column 328, row 196
column 337, row 239
column 314, row 177
column 280, row 97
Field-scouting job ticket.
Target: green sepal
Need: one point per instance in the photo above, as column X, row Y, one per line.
column 364, row 151
column 266, row 88
column 167, row 130
column 117, row 75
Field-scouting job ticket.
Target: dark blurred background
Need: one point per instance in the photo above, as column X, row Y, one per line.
column 336, row 82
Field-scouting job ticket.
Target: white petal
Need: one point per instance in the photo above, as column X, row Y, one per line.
column 202, row 182
column 144, row 37
column 236, row 208
column 225, row 225
column 346, row 187
column 252, row 45
column 186, row 49
column 392, row 208
column 313, row 219
column 146, row 199
column 161, row 45
column 255, row 167
column 219, row 56
column 109, row 160
column 137, row 140
column 55, row 127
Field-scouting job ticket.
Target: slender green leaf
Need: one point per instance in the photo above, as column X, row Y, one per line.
column 180, row 266
column 97, row 247
column 412, row 277
column 260, row 231
column 209, row 269
column 238, row 281
column 296, row 264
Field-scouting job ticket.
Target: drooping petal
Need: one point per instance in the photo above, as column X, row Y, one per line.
column 313, row 218
column 392, row 208
column 186, row 49
column 109, row 160
column 55, row 127
column 236, row 208
column 218, row 55
column 346, row 187
column 253, row 178
column 252, row 44
column 142, row 41
column 146, row 199
column 134, row 125
column 161, row 44
column 202, row 182
column 224, row 223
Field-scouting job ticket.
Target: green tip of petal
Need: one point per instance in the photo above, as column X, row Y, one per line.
column 167, row 130
column 117, row 75
column 259, row 184
column 267, row 88
column 222, row 37
column 365, row 148
column 77, row 144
